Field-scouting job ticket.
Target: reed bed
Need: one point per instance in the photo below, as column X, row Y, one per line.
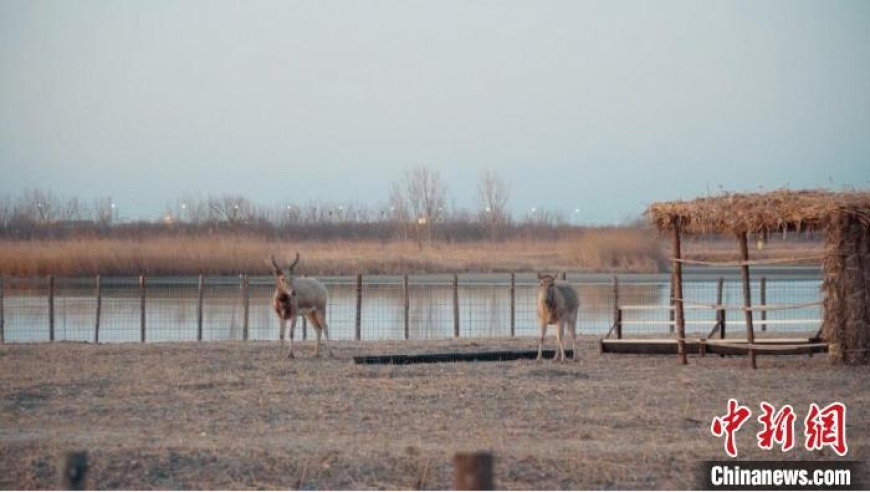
column 625, row 250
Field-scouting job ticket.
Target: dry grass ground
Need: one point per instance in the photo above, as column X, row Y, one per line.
column 234, row 415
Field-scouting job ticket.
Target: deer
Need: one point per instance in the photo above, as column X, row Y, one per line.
column 296, row 296
column 557, row 305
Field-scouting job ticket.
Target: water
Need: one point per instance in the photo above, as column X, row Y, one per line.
column 484, row 302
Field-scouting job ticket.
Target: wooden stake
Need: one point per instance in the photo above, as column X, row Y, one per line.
column 720, row 313
column 677, row 276
column 51, row 308
column 99, row 309
column 142, row 308
column 473, row 471
column 763, row 300
column 246, row 308
column 513, row 304
column 747, row 295
column 201, row 293
column 617, row 311
column 407, row 299
column 2, row 314
column 671, row 312
column 456, row 305
column 359, row 296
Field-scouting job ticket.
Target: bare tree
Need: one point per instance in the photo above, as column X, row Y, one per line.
column 37, row 207
column 399, row 210
column 493, row 194
column 425, row 194
column 5, row 211
column 230, row 209
column 103, row 211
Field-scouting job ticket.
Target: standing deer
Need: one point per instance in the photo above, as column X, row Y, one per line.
column 557, row 305
column 299, row 295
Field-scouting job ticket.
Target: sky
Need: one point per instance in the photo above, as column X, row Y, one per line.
column 601, row 106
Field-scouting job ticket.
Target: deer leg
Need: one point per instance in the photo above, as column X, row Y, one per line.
column 542, row 325
column 321, row 320
column 292, row 331
column 282, row 326
column 573, row 326
column 560, row 349
column 317, row 328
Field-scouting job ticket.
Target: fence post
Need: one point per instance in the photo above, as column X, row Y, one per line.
column 304, row 328
column 747, row 296
column 51, row 308
column 473, row 471
column 672, row 314
column 456, row 305
column 74, row 474
column 142, row 308
column 99, row 309
column 513, row 304
column 407, row 295
column 200, row 287
column 763, row 300
column 246, row 304
column 617, row 311
column 358, row 321
column 720, row 312
column 2, row 314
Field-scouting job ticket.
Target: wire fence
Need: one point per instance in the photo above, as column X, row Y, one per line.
column 416, row 307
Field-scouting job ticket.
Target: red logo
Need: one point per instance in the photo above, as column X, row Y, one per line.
column 778, row 427
column 827, row 427
column 729, row 424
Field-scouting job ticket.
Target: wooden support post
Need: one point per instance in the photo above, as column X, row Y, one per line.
column 671, row 312
column 564, row 276
column 51, row 308
column 2, row 314
column 246, row 308
column 357, row 335
column 74, row 471
column 407, row 296
column 720, row 312
column 473, row 471
column 747, row 295
column 201, row 293
column 677, row 276
column 513, row 304
column 455, row 305
column 762, row 298
column 617, row 311
column 304, row 328
column 99, row 309
column 142, row 308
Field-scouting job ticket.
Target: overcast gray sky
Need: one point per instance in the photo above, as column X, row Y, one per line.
column 602, row 105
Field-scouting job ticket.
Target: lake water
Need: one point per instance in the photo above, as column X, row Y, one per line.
column 171, row 306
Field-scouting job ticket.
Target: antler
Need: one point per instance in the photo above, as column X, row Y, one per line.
column 294, row 262
column 275, row 268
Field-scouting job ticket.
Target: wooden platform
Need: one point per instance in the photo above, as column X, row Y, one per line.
column 493, row 356
column 770, row 346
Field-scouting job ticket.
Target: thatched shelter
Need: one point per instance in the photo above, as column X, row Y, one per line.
column 843, row 218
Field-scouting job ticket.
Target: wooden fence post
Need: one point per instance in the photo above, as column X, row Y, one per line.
column 617, row 311
column 407, row 300
column 51, row 308
column 201, row 294
column 473, row 471
column 456, row 305
column 564, row 276
column 763, row 300
column 672, row 315
column 304, row 328
column 2, row 314
column 513, row 304
column 747, row 296
column 74, row 471
column 99, row 309
column 677, row 276
column 142, row 308
column 246, row 307
column 720, row 311
column 359, row 296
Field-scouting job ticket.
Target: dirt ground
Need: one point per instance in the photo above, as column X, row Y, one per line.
column 233, row 415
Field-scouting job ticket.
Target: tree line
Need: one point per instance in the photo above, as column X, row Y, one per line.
column 416, row 209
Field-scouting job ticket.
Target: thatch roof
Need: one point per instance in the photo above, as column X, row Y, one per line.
column 759, row 212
